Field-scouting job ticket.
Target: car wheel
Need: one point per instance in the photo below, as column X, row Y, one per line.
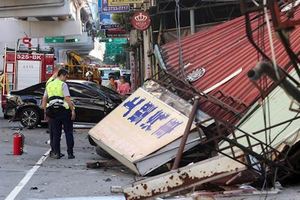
column 101, row 152
column 30, row 117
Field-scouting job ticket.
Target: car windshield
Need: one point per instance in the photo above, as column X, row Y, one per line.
column 101, row 88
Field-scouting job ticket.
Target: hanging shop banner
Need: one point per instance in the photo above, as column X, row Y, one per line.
column 133, row 70
column 123, row 2
column 116, row 33
column 141, row 20
column 105, row 8
column 109, row 26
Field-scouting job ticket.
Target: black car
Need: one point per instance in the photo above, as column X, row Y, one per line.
column 92, row 102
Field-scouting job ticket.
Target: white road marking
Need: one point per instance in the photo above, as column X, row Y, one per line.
column 12, row 195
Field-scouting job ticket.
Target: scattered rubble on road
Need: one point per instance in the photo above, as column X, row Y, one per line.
column 103, row 163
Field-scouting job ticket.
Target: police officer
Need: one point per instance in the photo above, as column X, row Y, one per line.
column 61, row 111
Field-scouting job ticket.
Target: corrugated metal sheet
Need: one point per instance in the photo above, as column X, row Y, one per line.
column 222, row 50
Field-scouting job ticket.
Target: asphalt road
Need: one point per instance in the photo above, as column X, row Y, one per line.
column 54, row 178
column 70, row 179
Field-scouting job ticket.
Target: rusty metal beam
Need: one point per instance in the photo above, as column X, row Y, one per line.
column 278, row 124
column 177, row 180
column 186, row 133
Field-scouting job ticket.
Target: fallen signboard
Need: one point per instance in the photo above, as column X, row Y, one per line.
column 144, row 132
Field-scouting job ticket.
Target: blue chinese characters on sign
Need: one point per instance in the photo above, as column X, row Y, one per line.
column 141, row 119
column 142, row 113
column 166, row 128
column 130, row 105
column 159, row 115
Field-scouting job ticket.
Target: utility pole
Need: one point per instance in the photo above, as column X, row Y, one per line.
column 147, row 48
column 147, row 61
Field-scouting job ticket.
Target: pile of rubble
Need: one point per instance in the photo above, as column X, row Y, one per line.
column 242, row 155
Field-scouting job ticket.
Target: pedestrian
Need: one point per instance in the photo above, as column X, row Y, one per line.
column 52, row 78
column 100, row 80
column 61, row 112
column 123, row 87
column 112, row 83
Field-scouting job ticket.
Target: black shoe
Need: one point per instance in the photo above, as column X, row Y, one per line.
column 71, row 156
column 52, row 153
column 55, row 155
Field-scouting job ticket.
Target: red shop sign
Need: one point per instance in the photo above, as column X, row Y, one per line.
column 141, row 20
column 27, row 40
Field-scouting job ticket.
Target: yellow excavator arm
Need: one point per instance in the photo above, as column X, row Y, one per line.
column 74, row 58
column 77, row 67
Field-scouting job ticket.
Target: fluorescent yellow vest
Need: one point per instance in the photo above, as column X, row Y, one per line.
column 55, row 89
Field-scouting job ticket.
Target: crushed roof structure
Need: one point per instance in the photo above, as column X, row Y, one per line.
column 225, row 55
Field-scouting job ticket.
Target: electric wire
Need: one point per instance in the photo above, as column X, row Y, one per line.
column 278, row 77
column 271, row 39
column 285, row 156
column 266, row 141
column 267, row 98
column 278, row 134
column 276, row 169
column 178, row 30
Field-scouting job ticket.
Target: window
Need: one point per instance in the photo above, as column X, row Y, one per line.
column 80, row 91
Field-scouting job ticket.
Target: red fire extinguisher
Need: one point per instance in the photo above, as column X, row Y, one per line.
column 18, row 143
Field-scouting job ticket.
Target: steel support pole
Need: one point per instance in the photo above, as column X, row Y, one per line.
column 186, row 133
column 147, row 62
column 192, row 21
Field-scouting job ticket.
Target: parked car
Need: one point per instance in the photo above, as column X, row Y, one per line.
column 92, row 102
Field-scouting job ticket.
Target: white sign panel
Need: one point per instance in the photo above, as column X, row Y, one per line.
column 141, row 125
column 28, row 73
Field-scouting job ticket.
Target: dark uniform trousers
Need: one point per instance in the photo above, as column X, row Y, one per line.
column 62, row 118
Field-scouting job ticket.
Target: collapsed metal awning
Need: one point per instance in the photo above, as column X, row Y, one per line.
column 282, row 136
